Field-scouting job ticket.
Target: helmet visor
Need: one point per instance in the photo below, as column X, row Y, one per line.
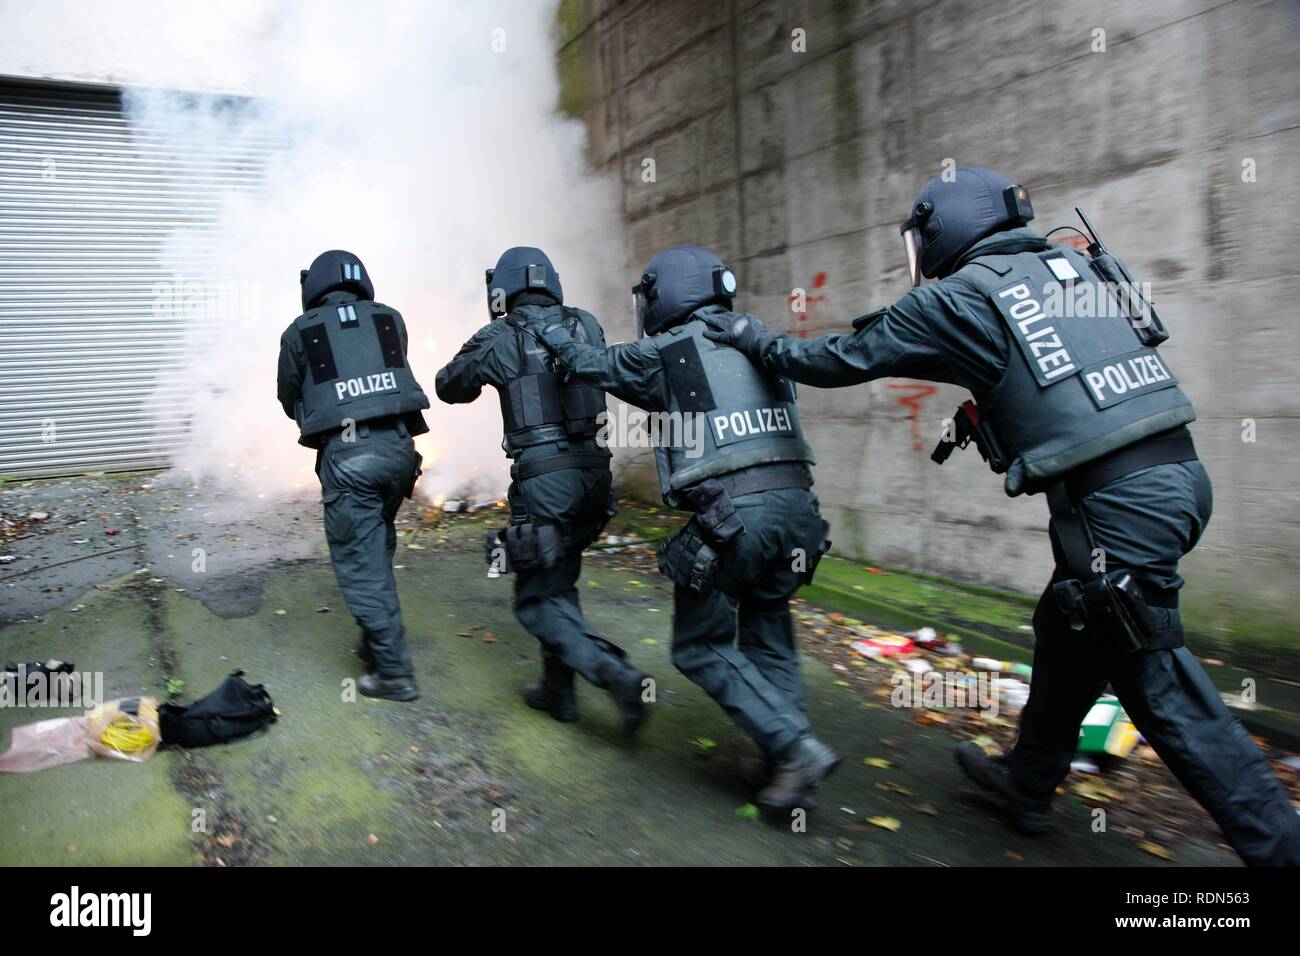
column 912, row 245
column 639, row 307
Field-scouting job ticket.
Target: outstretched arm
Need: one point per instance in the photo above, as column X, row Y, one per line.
column 893, row 341
column 630, row 371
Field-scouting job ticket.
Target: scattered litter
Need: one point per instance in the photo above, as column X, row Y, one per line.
column 125, row 729
column 884, row 645
column 1107, row 729
column 1013, row 694
column 1155, row 850
column 928, row 639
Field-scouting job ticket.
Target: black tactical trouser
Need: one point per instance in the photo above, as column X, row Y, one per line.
column 363, row 483
column 546, row 599
column 736, row 640
column 1145, row 522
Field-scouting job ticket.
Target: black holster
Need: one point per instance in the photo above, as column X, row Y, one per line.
column 1111, row 605
column 416, row 472
column 715, row 515
column 688, row 561
column 524, row 547
column 534, row 547
column 816, row 558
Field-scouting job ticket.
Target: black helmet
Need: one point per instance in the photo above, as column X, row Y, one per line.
column 950, row 217
column 678, row 281
column 521, row 269
column 334, row 271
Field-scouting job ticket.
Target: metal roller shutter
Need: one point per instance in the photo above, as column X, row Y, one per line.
column 87, row 201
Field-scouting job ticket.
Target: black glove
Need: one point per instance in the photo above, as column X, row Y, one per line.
column 550, row 334
column 745, row 333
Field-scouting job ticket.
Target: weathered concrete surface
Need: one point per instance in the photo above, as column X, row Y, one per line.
column 425, row 779
column 797, row 167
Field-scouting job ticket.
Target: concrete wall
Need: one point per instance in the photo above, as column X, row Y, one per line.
column 797, row 166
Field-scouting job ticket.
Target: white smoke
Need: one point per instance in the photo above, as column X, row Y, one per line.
column 421, row 136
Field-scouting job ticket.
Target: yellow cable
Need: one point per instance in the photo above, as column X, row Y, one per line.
column 128, row 734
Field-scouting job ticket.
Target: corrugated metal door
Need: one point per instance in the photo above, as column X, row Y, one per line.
column 87, row 201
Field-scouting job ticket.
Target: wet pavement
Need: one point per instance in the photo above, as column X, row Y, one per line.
column 111, row 580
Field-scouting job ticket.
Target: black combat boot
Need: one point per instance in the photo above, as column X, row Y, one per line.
column 389, row 688
column 554, row 692
column 801, row 767
column 625, row 685
column 757, row 772
column 991, row 773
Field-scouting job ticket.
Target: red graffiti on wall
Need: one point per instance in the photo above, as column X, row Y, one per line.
column 803, row 316
column 912, row 397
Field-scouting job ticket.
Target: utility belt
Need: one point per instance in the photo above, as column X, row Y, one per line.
column 527, row 545
column 1115, row 606
column 523, row 470
column 690, row 557
column 388, row 425
column 759, row 478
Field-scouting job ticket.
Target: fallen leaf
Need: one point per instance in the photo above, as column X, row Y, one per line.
column 372, row 839
column 1155, row 849
column 880, row 762
column 886, row 823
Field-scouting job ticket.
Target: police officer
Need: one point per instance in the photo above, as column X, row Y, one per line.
column 343, row 378
column 560, row 495
column 740, row 463
column 1072, row 399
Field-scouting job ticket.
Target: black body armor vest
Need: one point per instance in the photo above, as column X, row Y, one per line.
column 541, row 405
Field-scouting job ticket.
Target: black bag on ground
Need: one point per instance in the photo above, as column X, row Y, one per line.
column 235, row 709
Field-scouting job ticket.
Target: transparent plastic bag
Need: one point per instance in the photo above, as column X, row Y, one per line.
column 47, row 743
column 125, row 729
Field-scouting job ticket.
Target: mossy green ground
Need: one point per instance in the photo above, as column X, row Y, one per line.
column 340, row 781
